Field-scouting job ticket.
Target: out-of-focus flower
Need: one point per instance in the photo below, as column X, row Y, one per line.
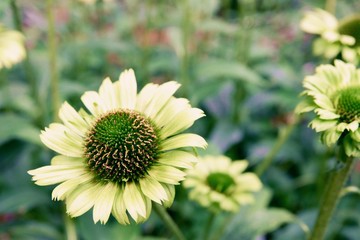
column 220, row 184
column 333, row 93
column 12, row 49
column 337, row 37
column 128, row 152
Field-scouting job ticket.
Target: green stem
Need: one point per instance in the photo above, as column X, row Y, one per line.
column 283, row 136
column 165, row 217
column 217, row 235
column 330, row 6
column 28, row 68
column 69, row 228
column 331, row 197
column 186, row 24
column 52, row 44
column 208, row 225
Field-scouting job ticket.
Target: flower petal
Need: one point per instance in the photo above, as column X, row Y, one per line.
column 108, row 95
column 178, row 159
column 62, row 140
column 171, row 109
column 170, row 192
column 163, row 93
column 104, row 203
column 153, row 189
column 93, row 102
column 119, row 208
column 183, row 140
column 128, row 89
column 134, row 201
column 167, row 174
column 181, row 121
column 64, row 189
column 145, row 96
column 49, row 175
column 73, row 120
column 82, row 199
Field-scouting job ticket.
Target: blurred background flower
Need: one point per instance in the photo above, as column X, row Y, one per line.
column 12, row 49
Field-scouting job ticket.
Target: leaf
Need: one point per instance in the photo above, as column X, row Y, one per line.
column 223, row 69
column 22, row 199
column 16, row 127
column 256, row 220
column 34, row 230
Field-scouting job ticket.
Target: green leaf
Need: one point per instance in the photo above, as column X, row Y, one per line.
column 221, row 69
column 16, row 127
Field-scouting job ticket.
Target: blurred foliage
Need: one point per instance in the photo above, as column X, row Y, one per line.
column 242, row 62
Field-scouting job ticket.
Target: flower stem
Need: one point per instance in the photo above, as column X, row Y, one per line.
column 283, row 136
column 69, row 227
column 330, row 6
column 185, row 58
column 208, row 225
column 331, row 197
column 163, row 214
column 52, row 44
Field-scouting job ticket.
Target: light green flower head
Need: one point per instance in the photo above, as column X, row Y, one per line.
column 333, row 94
column 126, row 153
column 336, row 37
column 12, row 49
column 219, row 183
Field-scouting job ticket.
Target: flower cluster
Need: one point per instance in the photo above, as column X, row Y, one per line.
column 12, row 48
column 333, row 93
column 337, row 37
column 219, row 183
column 124, row 154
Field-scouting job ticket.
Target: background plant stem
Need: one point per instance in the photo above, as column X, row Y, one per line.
column 28, row 68
column 52, row 45
column 165, row 217
column 283, row 136
column 208, row 225
column 69, row 227
column 330, row 198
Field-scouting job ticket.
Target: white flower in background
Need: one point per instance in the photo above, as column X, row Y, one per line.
column 12, row 49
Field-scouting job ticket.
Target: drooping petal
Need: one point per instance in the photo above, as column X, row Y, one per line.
column 104, row 203
column 153, row 189
column 170, row 192
column 119, row 208
column 65, row 188
column 82, row 199
column 134, row 201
